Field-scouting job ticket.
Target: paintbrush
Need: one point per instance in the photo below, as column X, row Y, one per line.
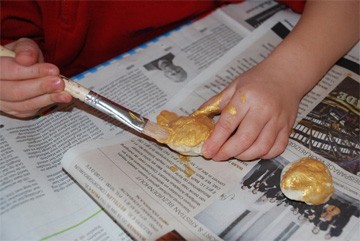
column 110, row 108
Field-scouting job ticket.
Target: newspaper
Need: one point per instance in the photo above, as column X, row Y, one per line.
column 38, row 200
column 150, row 192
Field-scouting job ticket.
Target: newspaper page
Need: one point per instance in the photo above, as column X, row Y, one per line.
column 155, row 194
column 37, row 199
column 251, row 15
column 255, row 208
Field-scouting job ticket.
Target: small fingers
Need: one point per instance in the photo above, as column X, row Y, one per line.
column 27, row 89
column 262, row 145
column 30, row 107
column 15, row 71
column 27, row 63
column 230, row 118
column 279, row 146
column 246, row 134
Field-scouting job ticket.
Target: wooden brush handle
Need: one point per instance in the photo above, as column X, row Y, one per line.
column 72, row 87
column 128, row 117
column 76, row 90
column 4, row 52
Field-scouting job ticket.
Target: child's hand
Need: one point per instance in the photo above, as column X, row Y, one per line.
column 28, row 84
column 259, row 108
column 258, row 111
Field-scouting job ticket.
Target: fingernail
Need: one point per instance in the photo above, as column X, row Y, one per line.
column 56, row 83
column 204, row 151
column 62, row 98
column 52, row 71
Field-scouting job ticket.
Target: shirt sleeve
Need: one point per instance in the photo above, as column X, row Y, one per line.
column 20, row 19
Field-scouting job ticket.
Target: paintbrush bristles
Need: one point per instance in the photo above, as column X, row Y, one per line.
column 155, row 131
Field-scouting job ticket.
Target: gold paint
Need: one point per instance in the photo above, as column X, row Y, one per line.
column 188, row 131
column 230, row 109
column 311, row 177
column 188, row 171
column 186, row 161
column 292, row 132
column 211, row 109
column 132, row 115
column 174, row 168
column 243, row 99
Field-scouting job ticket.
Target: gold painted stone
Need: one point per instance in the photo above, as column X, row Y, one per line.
column 186, row 133
column 308, row 180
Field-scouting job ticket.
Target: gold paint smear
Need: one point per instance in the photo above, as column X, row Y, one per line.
column 185, row 130
column 187, row 169
column 292, row 132
column 243, row 99
column 311, row 177
column 231, row 109
column 211, row 109
column 174, row 168
column 132, row 115
column 188, row 131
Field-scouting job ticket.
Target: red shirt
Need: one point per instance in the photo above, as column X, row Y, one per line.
column 77, row 35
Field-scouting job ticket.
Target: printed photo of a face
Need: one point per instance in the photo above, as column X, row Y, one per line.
column 170, row 70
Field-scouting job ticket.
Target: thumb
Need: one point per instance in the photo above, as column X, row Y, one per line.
column 27, row 52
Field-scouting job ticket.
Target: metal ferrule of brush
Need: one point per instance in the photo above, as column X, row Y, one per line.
column 129, row 118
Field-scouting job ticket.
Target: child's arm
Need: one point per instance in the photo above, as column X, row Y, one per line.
column 259, row 108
